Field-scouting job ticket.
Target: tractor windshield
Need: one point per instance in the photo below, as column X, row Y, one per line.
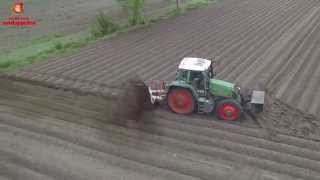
column 182, row 75
column 188, row 76
column 195, row 75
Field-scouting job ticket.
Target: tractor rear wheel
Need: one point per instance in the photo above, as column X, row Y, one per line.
column 228, row 110
column 181, row 101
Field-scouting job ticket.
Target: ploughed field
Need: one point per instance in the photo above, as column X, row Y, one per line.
column 47, row 133
column 56, row 118
column 272, row 44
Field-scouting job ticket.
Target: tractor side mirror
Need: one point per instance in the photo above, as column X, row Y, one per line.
column 213, row 63
column 212, row 71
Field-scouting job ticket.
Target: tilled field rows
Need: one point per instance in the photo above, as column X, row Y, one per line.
column 54, row 134
column 273, row 44
column 154, row 52
column 233, row 31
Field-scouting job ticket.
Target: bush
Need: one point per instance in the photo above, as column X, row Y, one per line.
column 104, row 26
column 58, row 46
column 135, row 7
column 175, row 12
column 5, row 64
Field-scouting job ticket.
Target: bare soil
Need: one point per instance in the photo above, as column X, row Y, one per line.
column 54, row 134
column 270, row 43
column 56, row 116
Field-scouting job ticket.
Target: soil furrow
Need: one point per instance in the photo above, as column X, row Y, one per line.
column 243, row 139
column 101, row 46
column 124, row 37
column 146, row 159
column 63, row 108
column 102, row 49
column 239, row 63
column 147, row 156
column 159, row 67
column 294, row 66
column 306, row 70
column 197, row 121
column 91, row 155
column 218, row 143
column 69, row 131
column 129, row 58
column 16, row 171
column 259, row 66
column 308, row 96
column 162, row 65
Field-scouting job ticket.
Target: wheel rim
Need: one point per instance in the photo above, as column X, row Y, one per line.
column 229, row 112
column 181, row 101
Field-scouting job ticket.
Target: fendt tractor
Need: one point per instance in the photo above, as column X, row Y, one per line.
column 196, row 89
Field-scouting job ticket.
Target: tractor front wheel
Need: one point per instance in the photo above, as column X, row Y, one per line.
column 181, row 101
column 228, row 110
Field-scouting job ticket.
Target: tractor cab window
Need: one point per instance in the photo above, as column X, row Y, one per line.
column 197, row 79
column 195, row 75
column 182, row 75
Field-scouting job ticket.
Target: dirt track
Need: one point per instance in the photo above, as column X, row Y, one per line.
column 270, row 43
column 54, row 134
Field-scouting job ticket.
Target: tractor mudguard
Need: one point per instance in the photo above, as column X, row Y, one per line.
column 181, row 84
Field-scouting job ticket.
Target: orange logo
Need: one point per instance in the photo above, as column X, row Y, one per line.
column 18, row 19
column 18, row 8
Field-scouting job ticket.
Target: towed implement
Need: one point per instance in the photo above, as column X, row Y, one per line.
column 196, row 89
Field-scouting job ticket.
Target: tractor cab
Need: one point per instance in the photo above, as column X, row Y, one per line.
column 196, row 72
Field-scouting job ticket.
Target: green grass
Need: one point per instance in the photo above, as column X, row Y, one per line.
column 104, row 26
column 45, row 47
column 184, row 7
column 43, row 50
column 189, row 5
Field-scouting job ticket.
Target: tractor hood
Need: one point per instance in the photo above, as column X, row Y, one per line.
column 221, row 88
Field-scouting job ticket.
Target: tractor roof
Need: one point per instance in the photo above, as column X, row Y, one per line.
column 194, row 64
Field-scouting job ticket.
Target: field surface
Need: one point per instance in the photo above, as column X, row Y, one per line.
column 56, row 116
column 271, row 44
column 54, row 134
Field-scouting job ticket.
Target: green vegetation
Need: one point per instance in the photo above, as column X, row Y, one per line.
column 58, row 46
column 104, row 26
column 136, row 7
column 134, row 10
column 45, row 47
column 189, row 5
column 43, row 50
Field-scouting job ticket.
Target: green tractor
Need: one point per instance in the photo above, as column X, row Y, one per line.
column 195, row 89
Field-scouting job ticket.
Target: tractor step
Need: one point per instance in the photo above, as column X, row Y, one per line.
column 205, row 105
